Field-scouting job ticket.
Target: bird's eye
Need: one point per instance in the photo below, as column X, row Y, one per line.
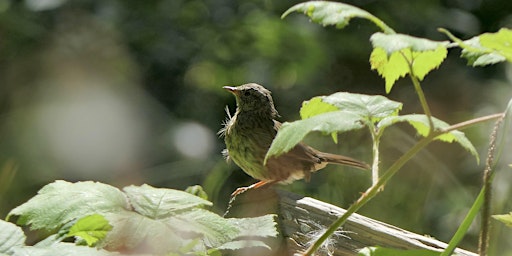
column 247, row 93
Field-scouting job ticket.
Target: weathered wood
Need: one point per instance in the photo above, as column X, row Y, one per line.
column 303, row 219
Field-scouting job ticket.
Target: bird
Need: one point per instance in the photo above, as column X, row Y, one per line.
column 249, row 133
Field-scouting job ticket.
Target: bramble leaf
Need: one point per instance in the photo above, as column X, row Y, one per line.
column 397, row 55
column 11, row 236
column 157, row 203
column 91, row 229
column 421, row 124
column 488, row 48
column 61, row 202
column 290, row 134
column 315, row 106
column 371, row 108
column 333, row 13
column 336, row 113
column 62, row 249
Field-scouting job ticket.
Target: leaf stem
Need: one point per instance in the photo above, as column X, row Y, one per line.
column 421, row 95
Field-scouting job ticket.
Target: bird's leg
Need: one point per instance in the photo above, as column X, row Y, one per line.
column 258, row 184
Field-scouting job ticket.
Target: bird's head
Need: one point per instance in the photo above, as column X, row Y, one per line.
column 253, row 98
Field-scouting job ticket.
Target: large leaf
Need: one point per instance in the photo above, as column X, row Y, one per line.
column 61, row 202
column 160, row 202
column 421, row 124
column 397, row 55
column 61, row 249
column 369, row 107
column 290, row 134
column 134, row 232
column 335, row 113
column 332, row 13
column 488, row 48
column 11, row 236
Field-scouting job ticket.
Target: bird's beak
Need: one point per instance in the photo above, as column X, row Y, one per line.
column 231, row 89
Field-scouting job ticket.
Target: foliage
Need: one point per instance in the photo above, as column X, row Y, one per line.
column 394, row 56
column 138, row 219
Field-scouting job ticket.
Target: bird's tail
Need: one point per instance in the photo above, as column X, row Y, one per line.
column 343, row 160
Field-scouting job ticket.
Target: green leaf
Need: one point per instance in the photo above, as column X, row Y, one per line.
column 391, row 67
column 333, row 13
column 241, row 244
column 213, row 229
column 134, row 232
column 394, row 56
column 421, row 124
column 504, row 218
column 314, row 107
column 477, row 55
column 11, row 236
column 158, row 203
column 263, row 226
column 397, row 42
column 290, row 134
column 371, row 108
column 500, row 42
column 380, row 251
column 198, row 191
column 91, row 229
column 61, row 202
column 338, row 112
column 61, row 249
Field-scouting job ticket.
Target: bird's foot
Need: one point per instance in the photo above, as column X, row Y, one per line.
column 240, row 190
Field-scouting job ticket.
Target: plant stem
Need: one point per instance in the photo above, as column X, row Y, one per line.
column 375, row 188
column 483, row 242
column 464, row 226
column 421, row 95
column 369, row 194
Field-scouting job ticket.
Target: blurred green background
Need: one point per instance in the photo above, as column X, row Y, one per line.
column 129, row 92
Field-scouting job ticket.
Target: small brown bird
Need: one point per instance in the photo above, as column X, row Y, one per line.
column 249, row 133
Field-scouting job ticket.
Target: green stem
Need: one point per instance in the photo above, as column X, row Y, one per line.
column 375, row 188
column 464, row 226
column 421, row 95
column 369, row 194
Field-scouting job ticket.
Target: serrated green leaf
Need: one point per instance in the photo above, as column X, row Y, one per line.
column 332, row 13
column 369, row 107
column 380, row 251
column 315, row 106
column 390, row 68
column 504, row 218
column 61, row 202
column 161, row 202
column 91, row 229
column 426, row 61
column 61, row 249
column 290, row 134
column 263, row 226
column 134, row 232
column 241, row 244
column 11, row 236
column 488, row 48
column 421, row 124
column 501, row 42
column 394, row 54
column 214, row 229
